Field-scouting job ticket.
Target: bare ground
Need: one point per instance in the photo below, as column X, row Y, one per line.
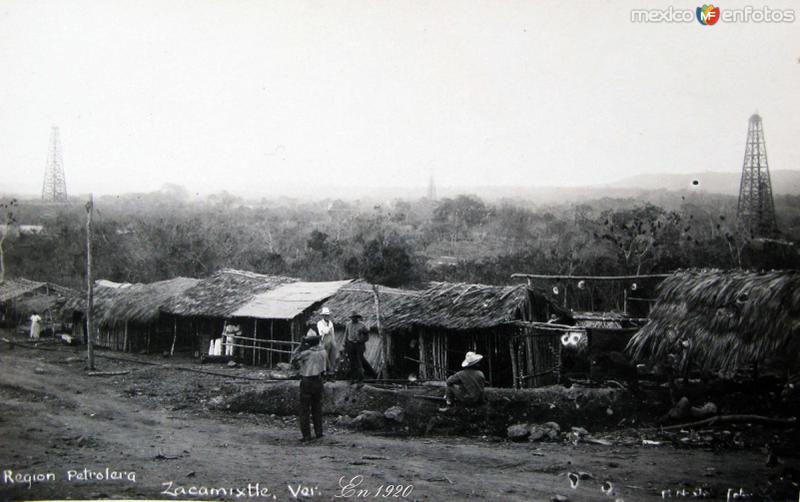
column 155, row 422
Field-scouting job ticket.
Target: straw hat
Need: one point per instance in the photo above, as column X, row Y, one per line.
column 470, row 359
column 326, row 311
column 355, row 314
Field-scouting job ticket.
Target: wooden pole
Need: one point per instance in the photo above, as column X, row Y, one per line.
column 125, row 339
column 513, row 355
column 255, row 336
column 625, row 300
column 490, row 354
column 423, row 357
column 89, row 285
column 174, row 336
column 384, row 345
column 269, row 354
column 590, row 277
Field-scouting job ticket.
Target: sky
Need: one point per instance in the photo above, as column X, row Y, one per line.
column 263, row 97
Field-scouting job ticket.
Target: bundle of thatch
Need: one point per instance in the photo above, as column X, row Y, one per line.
column 726, row 320
column 222, row 293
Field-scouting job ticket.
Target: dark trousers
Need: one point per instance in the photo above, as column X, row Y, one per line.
column 310, row 404
column 457, row 394
column 355, row 352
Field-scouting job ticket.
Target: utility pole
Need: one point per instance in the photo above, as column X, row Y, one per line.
column 89, row 284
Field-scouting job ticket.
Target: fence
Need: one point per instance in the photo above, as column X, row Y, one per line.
column 535, row 351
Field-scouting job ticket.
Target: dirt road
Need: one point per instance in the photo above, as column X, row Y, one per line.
column 64, row 434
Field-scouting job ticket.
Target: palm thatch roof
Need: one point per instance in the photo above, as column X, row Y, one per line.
column 222, row 294
column 462, row 306
column 456, row 306
column 104, row 295
column 359, row 296
column 11, row 289
column 139, row 303
column 729, row 319
column 606, row 320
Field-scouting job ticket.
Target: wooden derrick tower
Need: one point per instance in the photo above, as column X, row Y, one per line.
column 54, row 187
column 756, row 209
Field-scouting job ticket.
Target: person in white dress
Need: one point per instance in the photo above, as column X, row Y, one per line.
column 36, row 326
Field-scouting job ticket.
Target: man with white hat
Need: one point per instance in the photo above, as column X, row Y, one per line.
column 328, row 339
column 467, row 385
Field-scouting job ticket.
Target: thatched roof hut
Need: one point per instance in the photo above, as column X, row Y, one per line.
column 461, row 306
column 222, row 294
column 729, row 318
column 139, row 303
column 12, row 289
column 359, row 296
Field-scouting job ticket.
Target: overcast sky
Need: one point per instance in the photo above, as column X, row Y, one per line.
column 259, row 96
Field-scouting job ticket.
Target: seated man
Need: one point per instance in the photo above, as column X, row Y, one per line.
column 467, row 385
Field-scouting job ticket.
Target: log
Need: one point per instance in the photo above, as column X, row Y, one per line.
column 107, row 373
column 727, row 419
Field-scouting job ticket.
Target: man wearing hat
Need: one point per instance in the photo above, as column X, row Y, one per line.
column 311, row 360
column 356, row 335
column 328, row 339
column 467, row 385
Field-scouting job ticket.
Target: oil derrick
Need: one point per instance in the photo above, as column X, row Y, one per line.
column 756, row 209
column 54, row 187
column 431, row 188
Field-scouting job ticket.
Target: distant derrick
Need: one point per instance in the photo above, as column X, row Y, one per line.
column 431, row 188
column 756, row 209
column 54, row 187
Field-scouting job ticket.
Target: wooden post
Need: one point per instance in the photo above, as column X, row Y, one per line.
column 384, row 345
column 125, row 338
column 147, row 349
column 89, row 285
column 530, row 348
column 513, row 355
column 489, row 356
column 269, row 354
column 174, row 336
column 255, row 335
column 624, row 300
column 423, row 366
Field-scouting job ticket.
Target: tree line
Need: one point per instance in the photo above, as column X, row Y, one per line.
column 149, row 237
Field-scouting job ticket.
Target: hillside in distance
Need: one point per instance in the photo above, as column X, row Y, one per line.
column 784, row 181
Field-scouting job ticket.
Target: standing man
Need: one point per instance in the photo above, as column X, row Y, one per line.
column 467, row 385
column 310, row 358
column 36, row 326
column 356, row 335
column 328, row 340
column 231, row 332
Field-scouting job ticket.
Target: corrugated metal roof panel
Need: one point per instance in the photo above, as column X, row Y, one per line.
column 288, row 300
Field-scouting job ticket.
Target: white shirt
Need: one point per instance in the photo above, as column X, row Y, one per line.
column 324, row 329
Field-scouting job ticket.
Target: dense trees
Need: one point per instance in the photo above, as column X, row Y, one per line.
column 147, row 237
